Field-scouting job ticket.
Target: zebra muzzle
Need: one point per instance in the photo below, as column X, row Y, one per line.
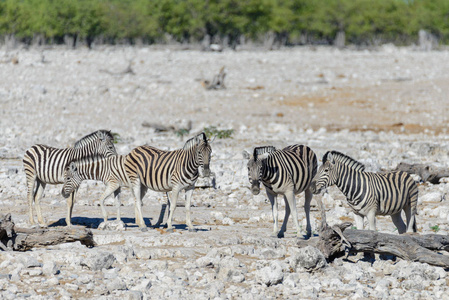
column 64, row 194
column 255, row 189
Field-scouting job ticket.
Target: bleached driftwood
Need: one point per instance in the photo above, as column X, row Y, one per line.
column 217, row 82
column 23, row 239
column 333, row 242
column 128, row 70
column 428, row 173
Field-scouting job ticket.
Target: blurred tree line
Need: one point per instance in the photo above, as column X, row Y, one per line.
column 286, row 22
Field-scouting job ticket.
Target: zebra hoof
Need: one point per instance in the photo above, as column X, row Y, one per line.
column 280, row 235
column 170, row 230
column 192, row 230
column 144, row 229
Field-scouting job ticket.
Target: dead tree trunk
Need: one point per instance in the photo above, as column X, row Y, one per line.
column 27, row 239
column 334, row 241
column 22, row 239
column 217, row 82
column 428, row 173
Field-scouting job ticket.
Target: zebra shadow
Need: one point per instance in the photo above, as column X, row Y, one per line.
column 95, row 222
column 180, row 227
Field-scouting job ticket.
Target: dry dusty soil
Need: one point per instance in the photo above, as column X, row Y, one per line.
column 382, row 107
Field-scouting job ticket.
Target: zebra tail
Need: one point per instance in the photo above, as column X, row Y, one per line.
column 414, row 204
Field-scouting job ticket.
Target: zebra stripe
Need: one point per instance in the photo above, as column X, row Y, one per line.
column 165, row 171
column 285, row 172
column 44, row 164
column 110, row 170
column 370, row 194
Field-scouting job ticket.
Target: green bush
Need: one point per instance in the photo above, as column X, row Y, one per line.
column 363, row 21
column 212, row 132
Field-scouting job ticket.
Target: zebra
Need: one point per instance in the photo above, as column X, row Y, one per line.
column 369, row 194
column 45, row 165
column 165, row 171
column 110, row 170
column 286, row 172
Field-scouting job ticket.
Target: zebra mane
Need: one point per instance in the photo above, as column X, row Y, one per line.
column 262, row 150
column 195, row 141
column 344, row 159
column 91, row 137
column 87, row 160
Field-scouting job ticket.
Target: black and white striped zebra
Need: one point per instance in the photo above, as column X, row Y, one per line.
column 285, row 172
column 45, row 165
column 110, row 170
column 165, row 171
column 370, row 194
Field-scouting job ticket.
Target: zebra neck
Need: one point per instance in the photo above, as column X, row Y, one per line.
column 267, row 173
column 349, row 181
column 191, row 163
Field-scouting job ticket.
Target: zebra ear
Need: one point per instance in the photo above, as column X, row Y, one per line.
column 246, row 154
column 101, row 135
column 73, row 167
column 330, row 158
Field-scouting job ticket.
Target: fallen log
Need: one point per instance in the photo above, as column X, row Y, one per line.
column 23, row 239
column 336, row 240
column 27, row 239
column 428, row 173
column 217, row 82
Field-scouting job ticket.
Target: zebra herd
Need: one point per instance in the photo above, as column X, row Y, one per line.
column 287, row 172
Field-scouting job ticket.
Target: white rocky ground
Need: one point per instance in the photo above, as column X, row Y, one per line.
column 381, row 107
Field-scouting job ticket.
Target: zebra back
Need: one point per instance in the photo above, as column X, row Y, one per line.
column 47, row 163
column 297, row 162
column 159, row 170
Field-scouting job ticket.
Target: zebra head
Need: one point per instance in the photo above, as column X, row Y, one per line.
column 255, row 167
column 72, row 180
column 203, row 151
column 101, row 142
column 326, row 175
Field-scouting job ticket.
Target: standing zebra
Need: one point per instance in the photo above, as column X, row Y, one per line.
column 44, row 164
column 369, row 194
column 165, row 171
column 110, row 170
column 287, row 172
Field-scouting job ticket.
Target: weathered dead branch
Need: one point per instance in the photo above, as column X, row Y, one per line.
column 165, row 128
column 428, row 173
column 23, row 239
column 217, row 82
column 334, row 241
column 128, row 70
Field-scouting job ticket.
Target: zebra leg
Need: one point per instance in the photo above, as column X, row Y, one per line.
column 308, row 199
column 138, row 204
column 189, row 192
column 398, row 222
column 31, row 194
column 287, row 215
column 162, row 213
column 118, row 203
column 411, row 219
column 290, row 195
column 358, row 221
column 70, row 203
column 175, row 195
column 371, row 216
column 274, row 209
column 39, row 191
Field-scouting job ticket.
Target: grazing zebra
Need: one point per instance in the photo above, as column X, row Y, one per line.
column 165, row 171
column 286, row 172
column 44, row 164
column 110, row 170
column 369, row 194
